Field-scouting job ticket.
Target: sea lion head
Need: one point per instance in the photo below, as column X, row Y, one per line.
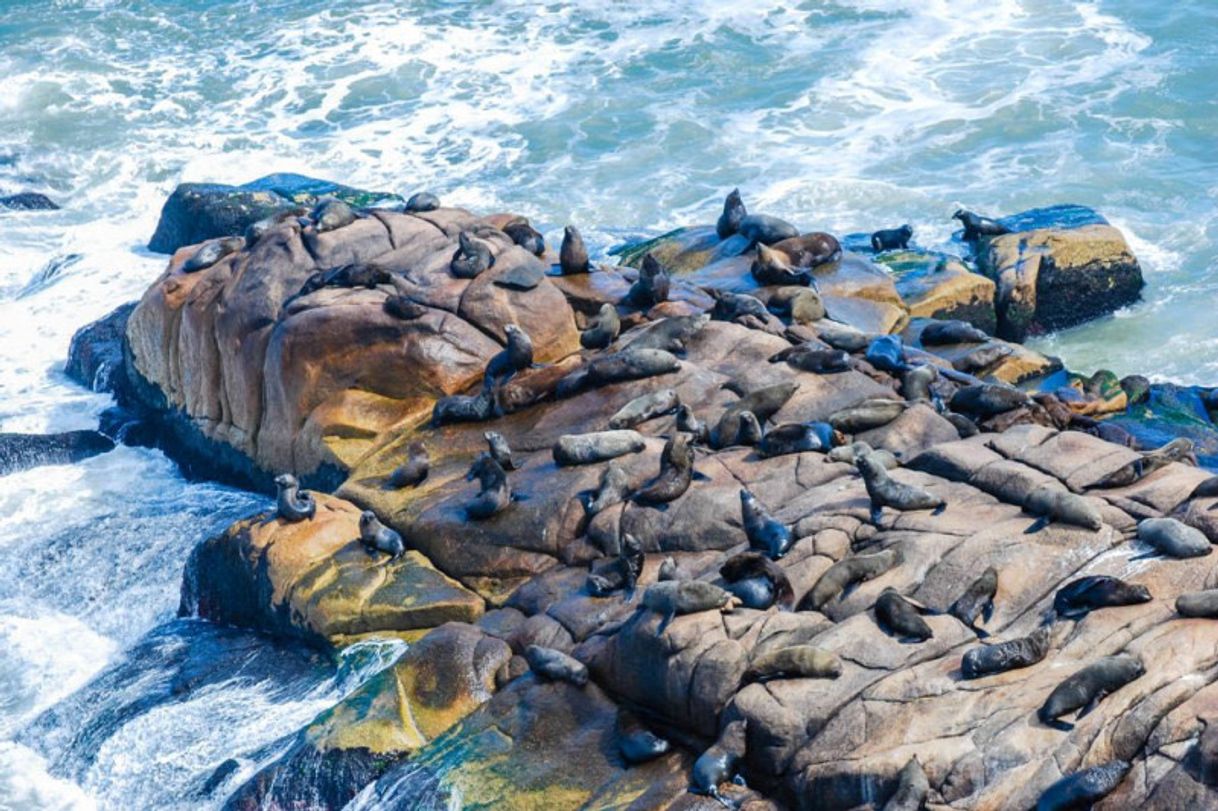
column 285, row 480
column 366, row 520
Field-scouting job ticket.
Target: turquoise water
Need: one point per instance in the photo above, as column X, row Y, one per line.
column 842, row 116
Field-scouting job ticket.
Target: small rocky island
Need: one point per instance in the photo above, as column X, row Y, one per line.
column 754, row 517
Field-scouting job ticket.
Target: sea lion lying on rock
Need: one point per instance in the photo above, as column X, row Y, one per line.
column 603, row 329
column 976, row 226
column 793, row 662
column 764, row 229
column 554, row 665
column 900, row 618
column 358, row 274
column 771, row 267
column 977, row 600
column 864, row 416
column 916, row 385
column 1054, row 504
column 1180, row 449
column 479, row 407
column 887, row 354
column 636, row 743
column 674, row 598
column 940, row 333
column 811, row 358
column 376, row 537
column 422, row 201
column 1172, row 538
column 676, row 474
column 798, row 437
column 1086, row 688
column 856, row 450
column 1003, row 656
column 1079, row 597
column 526, row 236
column 735, row 306
column 645, row 407
column 742, row 571
column 472, row 257
column 623, row 572
column 332, row 214
column 668, row 334
column 845, row 574
column 1198, row 604
column 763, row 403
column 613, row 489
column 586, row 449
column 987, row 399
column 843, row 336
column 211, row 252
column 629, row 364
column 1083, row 788
column 912, row 788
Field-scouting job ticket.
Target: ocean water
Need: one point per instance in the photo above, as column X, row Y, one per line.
column 844, row 116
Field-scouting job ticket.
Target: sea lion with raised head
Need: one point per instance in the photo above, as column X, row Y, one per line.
column 500, row 450
column 613, row 489
column 674, row 598
column 899, row 617
column 211, row 252
column 1010, row 655
column 770, row 267
column 516, row 356
column 669, row 571
column 884, row 491
column 1086, row 594
column 422, row 201
column 573, row 254
column 749, row 432
column 291, row 504
column 554, row 665
column 1206, row 489
column 1052, row 503
column 414, row 470
column 765, row 533
column 652, row 286
column 676, row 473
column 892, row 239
column 1083, row 789
column 688, row 422
column 331, row 214
column 797, row 437
column 940, row 333
column 603, row 329
column 733, row 214
column 376, row 537
column 1180, row 449
column 763, row 403
column 472, row 257
column 599, row 446
column 845, row 574
column 356, row 274
column 1086, row 688
column 494, row 495
column 752, row 566
column 812, row 358
column 793, row 662
column 259, row 229
column 645, row 407
column 976, row 226
column 977, row 600
column 718, row 764
column 912, row 787
column 1172, row 538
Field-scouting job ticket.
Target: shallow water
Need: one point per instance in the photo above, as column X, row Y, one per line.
column 844, row 116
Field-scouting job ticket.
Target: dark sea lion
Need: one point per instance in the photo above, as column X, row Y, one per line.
column 472, row 257
column 1173, row 538
column 404, row 307
column 613, row 489
column 912, row 787
column 1086, row 688
column 628, row 364
column 884, row 491
column 668, row 334
column 630, row 561
column 845, row 574
column 602, row 330
column 887, row 354
column 963, row 425
column 330, row 215
column 422, row 201
column 765, row 533
column 1203, row 604
column 763, row 403
column 645, row 407
column 554, row 665
column 753, row 592
column 652, row 285
column 749, row 432
column 718, row 764
column 793, row 662
column 940, row 333
column 811, row 358
column 867, row 415
column 211, row 252
column 1079, row 597
column 842, row 336
column 516, row 356
column 636, row 743
column 1081, row 790
column 674, row 598
column 414, row 470
column 464, row 408
column 977, row 600
column 976, row 226
column 494, row 495
column 733, row 214
column 810, row 250
column 1206, row 489
column 900, row 618
column 797, row 437
column 600, row 446
column 982, row 358
column 525, row 273
column 1180, row 449
column 500, row 450
column 573, row 254
column 1003, row 656
column 357, row 274
column 891, row 239
column 291, row 504
column 688, row 422
column 732, row 306
column 259, row 229
column 987, row 399
column 376, row 537
column 669, row 571
column 916, row 384
column 770, row 267
column 526, row 236
column 676, row 473
column 766, row 229
column 755, row 565
column 1051, row 503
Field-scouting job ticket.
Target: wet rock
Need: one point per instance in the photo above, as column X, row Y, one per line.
column 940, row 286
column 24, row 451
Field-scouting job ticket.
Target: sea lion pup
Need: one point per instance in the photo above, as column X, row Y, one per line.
column 763, row 403
column 330, row 215
column 732, row 306
column 669, row 571
column 479, row 407
column 1202, row 604
column 674, row 598
column 899, row 617
column 636, row 743
column 887, row 354
column 940, row 333
column 1079, row 597
column 764, row 229
column 688, row 423
column 291, row 504
column 495, row 494
column 977, row 600
column 613, row 489
column 554, row 665
column 987, row 399
column 746, row 568
column 1086, row 688
column 916, row 384
column 403, row 307
column 652, row 285
column 770, row 267
column 1010, row 655
column 765, row 533
column 797, row 437
column 500, row 450
column 645, row 407
column 1051, row 503
column 912, row 788
column 601, row 446
column 422, row 201
column 676, row 474
column 211, row 252
column 811, row 358
column 891, row 239
column 1172, row 538
column 515, row 357
column 376, row 537
column 866, row 415
column 884, row 491
column 603, row 329
column 845, row 574
column 733, row 214
column 414, row 470
column 573, row 254
column 472, row 257
column 717, row 765
column 976, row 226
column 526, row 236
column 668, row 334
column 1084, row 788
column 793, row 662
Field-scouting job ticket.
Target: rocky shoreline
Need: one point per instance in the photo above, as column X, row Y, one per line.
column 265, row 361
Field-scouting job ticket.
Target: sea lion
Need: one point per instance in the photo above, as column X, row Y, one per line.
column 422, row 201
column 977, row 600
column 1051, row 503
column 733, row 306
column 810, row 250
column 631, row 364
column 479, row 407
column 963, row 425
column 887, row 354
column 472, row 257
column 1003, row 656
column 676, row 473
column 516, row 356
column 916, row 384
column 376, row 537
column 573, row 254
column 524, row 273
column 845, row 574
column 753, row 592
column 799, row 305
column 764, row 229
column 211, row 252
column 554, row 665
column 717, row 765
column 793, row 662
column 526, row 236
column 842, row 336
column 1083, row 788
column 356, row 274
column 1206, row 489
column 987, row 399
column 1180, row 449
column 753, row 566
column 981, row 358
column 403, row 307
column 899, row 617
column 884, row 491
column 892, row 239
column 866, row 415
column 1079, row 597
column 645, row 407
column 749, row 432
column 330, row 215
column 688, row 422
column 770, row 267
column 613, row 489
column 1173, row 538
column 1086, row 688
column 912, row 787
column 976, row 226
column 601, row 446
column 494, row 495
column 602, row 330
column 733, row 214
column 500, row 450
column 668, row 334
column 291, row 504
column 940, row 333
column 636, row 743
column 669, row 571
column 1198, row 604
column 674, row 598
column 811, row 358
column 259, row 229
column 797, row 437
column 765, row 533
column 855, row 450
column 763, row 403
column 414, row 470
column 652, row 285
column 630, row 561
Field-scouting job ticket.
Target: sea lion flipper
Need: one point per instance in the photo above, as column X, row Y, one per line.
column 1037, row 525
column 520, row 497
column 988, row 611
column 1091, row 705
column 701, row 477
column 939, row 510
column 877, row 513
column 1057, row 723
column 1147, row 556
column 661, row 507
column 664, row 623
column 980, row 632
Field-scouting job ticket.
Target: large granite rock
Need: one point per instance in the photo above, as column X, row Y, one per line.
column 936, row 285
